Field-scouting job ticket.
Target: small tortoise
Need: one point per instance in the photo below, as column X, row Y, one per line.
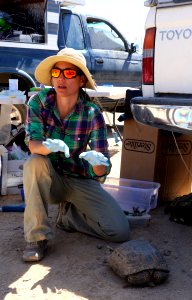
column 139, row 262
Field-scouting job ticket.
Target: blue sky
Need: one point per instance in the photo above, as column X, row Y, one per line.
column 128, row 15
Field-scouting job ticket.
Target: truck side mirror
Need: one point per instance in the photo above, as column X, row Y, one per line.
column 133, row 48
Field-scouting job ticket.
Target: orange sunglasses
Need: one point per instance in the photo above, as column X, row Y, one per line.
column 67, row 73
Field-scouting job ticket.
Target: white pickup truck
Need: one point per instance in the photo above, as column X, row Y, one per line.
column 166, row 102
column 35, row 29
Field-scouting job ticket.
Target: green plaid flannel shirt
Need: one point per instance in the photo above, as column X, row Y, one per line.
column 82, row 129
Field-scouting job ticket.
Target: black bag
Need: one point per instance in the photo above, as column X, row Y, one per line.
column 180, row 210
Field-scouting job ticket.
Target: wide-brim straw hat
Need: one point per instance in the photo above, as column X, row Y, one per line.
column 43, row 70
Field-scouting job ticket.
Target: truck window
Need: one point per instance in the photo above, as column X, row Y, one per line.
column 21, row 22
column 103, row 36
column 72, row 31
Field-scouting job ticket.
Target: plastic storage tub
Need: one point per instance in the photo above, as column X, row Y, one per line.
column 133, row 194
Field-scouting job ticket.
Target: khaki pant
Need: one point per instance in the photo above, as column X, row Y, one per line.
column 88, row 207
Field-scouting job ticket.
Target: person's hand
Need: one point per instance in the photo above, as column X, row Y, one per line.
column 95, row 158
column 57, row 145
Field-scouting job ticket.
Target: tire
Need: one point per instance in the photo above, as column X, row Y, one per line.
column 18, row 114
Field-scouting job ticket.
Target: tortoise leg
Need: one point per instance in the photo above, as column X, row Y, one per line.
column 159, row 276
column 140, row 278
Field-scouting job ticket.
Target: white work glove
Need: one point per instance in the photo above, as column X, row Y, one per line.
column 95, row 158
column 56, row 145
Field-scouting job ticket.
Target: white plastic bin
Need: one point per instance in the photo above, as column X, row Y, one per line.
column 132, row 194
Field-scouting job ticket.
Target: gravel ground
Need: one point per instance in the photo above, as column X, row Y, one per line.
column 75, row 266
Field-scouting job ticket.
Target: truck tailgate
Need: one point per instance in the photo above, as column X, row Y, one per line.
column 173, row 43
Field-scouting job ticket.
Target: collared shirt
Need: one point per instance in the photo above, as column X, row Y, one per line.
column 83, row 127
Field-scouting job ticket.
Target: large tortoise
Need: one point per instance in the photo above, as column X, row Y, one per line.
column 139, row 262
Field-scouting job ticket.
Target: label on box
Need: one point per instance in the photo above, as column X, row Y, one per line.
column 139, row 145
column 170, row 148
column 13, row 84
column 14, row 179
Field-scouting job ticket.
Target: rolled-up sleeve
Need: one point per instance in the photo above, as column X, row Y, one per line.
column 98, row 137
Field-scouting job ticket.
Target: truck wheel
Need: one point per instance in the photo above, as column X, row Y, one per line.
column 18, row 114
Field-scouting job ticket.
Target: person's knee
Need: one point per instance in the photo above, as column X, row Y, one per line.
column 121, row 234
column 118, row 233
column 34, row 162
column 36, row 166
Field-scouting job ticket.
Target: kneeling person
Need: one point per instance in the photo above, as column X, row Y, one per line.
column 61, row 123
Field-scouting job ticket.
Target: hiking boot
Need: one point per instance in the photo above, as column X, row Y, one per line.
column 35, row 251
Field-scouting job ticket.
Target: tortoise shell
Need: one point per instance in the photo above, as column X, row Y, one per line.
column 139, row 262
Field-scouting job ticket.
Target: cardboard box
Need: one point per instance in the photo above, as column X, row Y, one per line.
column 173, row 167
column 152, row 154
column 11, row 175
column 138, row 151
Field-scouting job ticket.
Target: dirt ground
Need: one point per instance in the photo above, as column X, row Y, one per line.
column 75, row 266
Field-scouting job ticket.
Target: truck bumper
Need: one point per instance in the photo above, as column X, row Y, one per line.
column 173, row 114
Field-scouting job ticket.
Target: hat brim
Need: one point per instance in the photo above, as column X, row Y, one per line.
column 43, row 76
